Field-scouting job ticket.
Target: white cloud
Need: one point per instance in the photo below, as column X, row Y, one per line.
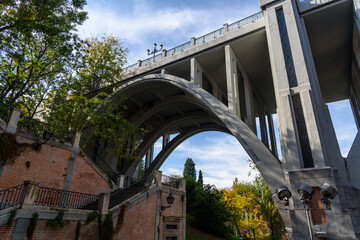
column 221, row 158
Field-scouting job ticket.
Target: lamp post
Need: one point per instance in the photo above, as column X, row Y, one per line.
column 306, row 193
column 154, row 51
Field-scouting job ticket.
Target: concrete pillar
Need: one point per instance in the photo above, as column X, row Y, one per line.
column 226, row 27
column 13, row 121
column 231, row 81
column 103, row 206
column 192, row 41
column 121, row 181
column 28, row 194
column 262, row 121
column 166, row 140
column 195, row 72
column 249, row 102
column 149, row 157
column 272, row 134
column 75, row 150
column 158, row 177
column 164, row 71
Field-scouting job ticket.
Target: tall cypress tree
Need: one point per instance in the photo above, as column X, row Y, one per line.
column 200, row 181
column 189, row 168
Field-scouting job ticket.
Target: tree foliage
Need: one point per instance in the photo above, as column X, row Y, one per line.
column 37, row 42
column 189, row 168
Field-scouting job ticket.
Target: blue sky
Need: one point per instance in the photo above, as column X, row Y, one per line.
column 141, row 23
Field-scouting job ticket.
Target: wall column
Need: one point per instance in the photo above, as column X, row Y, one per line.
column 149, row 157
column 231, row 81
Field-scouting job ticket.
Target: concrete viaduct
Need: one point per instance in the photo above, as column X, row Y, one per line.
column 290, row 59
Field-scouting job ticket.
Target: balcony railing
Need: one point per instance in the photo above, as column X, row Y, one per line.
column 52, row 197
column 198, row 40
column 11, row 196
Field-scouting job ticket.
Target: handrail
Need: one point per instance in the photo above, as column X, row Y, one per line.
column 198, row 40
column 90, row 151
column 52, row 197
column 10, row 196
column 37, row 127
column 121, row 195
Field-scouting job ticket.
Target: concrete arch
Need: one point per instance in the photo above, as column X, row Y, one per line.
column 269, row 166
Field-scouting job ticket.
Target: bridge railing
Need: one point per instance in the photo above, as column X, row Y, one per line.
column 170, row 181
column 245, row 21
column 198, row 40
column 209, row 36
column 178, row 48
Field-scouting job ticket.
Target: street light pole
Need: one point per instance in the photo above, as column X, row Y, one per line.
column 154, row 51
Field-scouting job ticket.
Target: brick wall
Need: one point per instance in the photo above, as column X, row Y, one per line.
column 140, row 219
column 6, row 231
column 86, row 179
column 87, row 231
column 48, row 167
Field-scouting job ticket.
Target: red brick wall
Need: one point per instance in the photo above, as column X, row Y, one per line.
column 87, row 231
column 86, row 179
column 6, row 231
column 139, row 220
column 47, row 167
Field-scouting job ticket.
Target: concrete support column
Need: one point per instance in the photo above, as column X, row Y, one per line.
column 158, row 177
column 75, row 150
column 231, row 81
column 272, row 134
column 121, row 181
column 195, row 72
column 262, row 121
column 103, row 206
column 249, row 102
column 166, row 140
column 28, row 194
column 149, row 157
column 13, row 121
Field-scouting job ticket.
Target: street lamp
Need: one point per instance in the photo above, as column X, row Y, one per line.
column 170, row 200
column 283, row 194
column 327, row 191
column 154, row 51
column 306, row 193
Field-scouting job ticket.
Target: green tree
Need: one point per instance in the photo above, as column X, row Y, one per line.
column 85, row 102
column 189, row 168
column 141, row 170
column 200, row 181
column 37, row 42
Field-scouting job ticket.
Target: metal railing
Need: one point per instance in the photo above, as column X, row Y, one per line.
column 209, row 36
column 150, row 60
column 4, row 111
column 103, row 165
column 170, row 181
column 131, row 67
column 11, row 196
column 178, row 48
column 37, row 127
column 52, row 197
column 121, row 195
column 199, row 40
column 245, row 21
